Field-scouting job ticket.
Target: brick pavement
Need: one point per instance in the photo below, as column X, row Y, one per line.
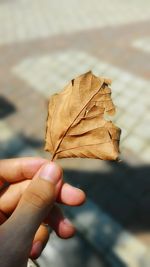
column 43, row 46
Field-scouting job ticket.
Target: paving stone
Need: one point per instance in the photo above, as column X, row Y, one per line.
column 135, row 143
column 73, row 252
column 11, row 147
column 146, row 154
column 32, row 21
column 31, row 263
column 143, row 44
column 5, row 132
column 121, row 248
column 143, row 130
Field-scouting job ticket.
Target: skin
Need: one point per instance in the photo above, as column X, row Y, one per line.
column 27, row 205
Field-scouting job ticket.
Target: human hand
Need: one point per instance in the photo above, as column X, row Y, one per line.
column 26, row 203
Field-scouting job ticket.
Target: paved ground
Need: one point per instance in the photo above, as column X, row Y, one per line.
column 43, row 44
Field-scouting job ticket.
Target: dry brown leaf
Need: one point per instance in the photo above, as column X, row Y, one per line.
column 76, row 126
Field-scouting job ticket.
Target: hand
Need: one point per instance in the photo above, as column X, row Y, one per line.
column 26, row 203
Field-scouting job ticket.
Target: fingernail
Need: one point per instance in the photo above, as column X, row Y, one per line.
column 51, row 172
column 36, row 249
column 68, row 222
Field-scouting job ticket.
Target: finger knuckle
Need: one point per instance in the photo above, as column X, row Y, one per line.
column 39, row 199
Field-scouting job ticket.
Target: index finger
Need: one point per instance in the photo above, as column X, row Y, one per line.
column 18, row 169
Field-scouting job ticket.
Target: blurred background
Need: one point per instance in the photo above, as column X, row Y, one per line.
column 43, row 45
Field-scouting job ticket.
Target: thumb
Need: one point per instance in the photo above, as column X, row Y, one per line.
column 36, row 201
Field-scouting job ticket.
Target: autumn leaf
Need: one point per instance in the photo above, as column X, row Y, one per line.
column 76, row 126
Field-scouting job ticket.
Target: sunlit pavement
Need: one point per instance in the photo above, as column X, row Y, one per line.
column 44, row 44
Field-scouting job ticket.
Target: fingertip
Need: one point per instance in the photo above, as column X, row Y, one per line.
column 82, row 197
column 71, row 195
column 62, row 226
column 66, row 229
column 36, row 250
column 40, row 241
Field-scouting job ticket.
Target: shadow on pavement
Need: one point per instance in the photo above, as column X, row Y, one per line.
column 123, row 192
